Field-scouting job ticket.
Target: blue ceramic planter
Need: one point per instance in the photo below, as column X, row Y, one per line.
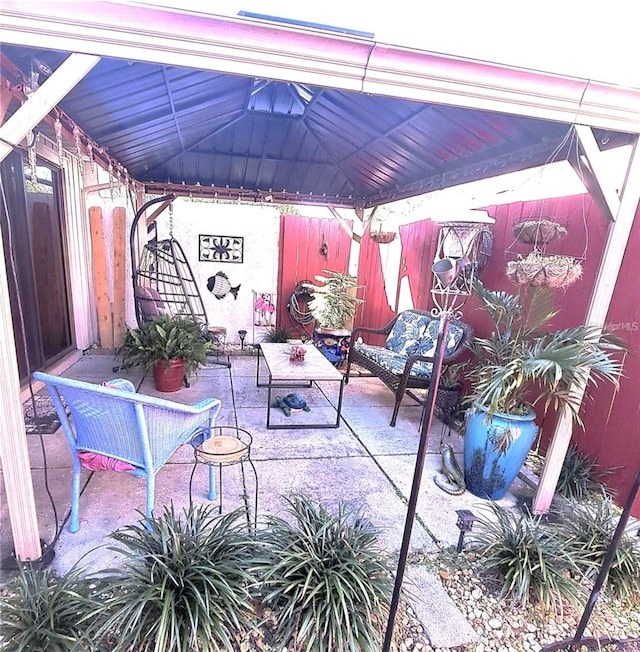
column 334, row 345
column 495, row 450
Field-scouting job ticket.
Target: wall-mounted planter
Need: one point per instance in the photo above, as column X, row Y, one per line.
column 551, row 271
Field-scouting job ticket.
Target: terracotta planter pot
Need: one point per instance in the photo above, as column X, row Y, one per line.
column 169, row 375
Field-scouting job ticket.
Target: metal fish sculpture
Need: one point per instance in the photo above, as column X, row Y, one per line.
column 220, row 286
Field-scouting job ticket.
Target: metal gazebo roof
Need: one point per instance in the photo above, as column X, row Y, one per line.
column 250, row 136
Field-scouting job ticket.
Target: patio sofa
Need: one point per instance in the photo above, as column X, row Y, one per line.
column 405, row 360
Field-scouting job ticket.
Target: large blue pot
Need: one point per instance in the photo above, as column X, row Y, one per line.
column 495, row 449
column 333, row 344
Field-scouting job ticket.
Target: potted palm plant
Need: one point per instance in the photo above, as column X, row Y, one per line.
column 519, row 367
column 174, row 346
column 332, row 306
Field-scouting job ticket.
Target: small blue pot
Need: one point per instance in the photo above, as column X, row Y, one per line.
column 495, row 449
column 334, row 345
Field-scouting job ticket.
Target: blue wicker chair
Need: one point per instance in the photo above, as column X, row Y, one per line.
column 121, row 429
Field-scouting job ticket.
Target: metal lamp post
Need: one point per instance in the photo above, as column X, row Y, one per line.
column 449, row 294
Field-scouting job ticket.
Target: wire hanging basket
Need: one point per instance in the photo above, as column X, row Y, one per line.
column 383, row 237
column 538, row 269
column 538, row 232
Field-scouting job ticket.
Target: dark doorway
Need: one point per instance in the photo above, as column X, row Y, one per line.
column 34, row 249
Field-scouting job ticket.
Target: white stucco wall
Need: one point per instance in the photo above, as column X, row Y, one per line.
column 260, row 228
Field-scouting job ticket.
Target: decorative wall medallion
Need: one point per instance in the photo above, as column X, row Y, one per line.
column 221, row 248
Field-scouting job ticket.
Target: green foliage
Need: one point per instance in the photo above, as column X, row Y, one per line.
column 334, row 302
column 185, row 585
column 453, row 374
column 276, row 335
column 166, row 338
column 588, row 527
column 531, row 560
column 44, row 612
column 578, row 475
column 522, row 362
column 325, row 579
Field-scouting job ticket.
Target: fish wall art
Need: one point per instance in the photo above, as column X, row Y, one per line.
column 219, row 285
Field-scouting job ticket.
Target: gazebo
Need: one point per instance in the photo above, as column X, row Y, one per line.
column 255, row 110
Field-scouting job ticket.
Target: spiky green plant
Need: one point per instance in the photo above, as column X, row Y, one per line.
column 578, row 475
column 325, row 578
column 529, row 558
column 588, row 527
column 333, row 302
column 185, row 583
column 43, row 611
column 522, row 362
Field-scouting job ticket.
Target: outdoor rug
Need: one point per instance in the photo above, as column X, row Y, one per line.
column 42, row 417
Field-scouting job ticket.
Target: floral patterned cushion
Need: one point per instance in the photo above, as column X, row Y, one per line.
column 407, row 332
column 427, row 345
column 411, row 335
column 393, row 362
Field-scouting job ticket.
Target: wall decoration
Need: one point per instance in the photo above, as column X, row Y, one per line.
column 221, row 248
column 263, row 309
column 219, row 285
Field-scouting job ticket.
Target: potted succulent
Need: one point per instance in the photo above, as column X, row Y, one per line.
column 520, row 366
column 174, row 346
column 332, row 306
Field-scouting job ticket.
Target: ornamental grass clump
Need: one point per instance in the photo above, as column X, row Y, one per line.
column 578, row 474
column 185, row 583
column 588, row 527
column 325, row 579
column 531, row 560
column 49, row 613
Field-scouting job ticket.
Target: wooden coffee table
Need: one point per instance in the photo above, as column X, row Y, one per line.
column 284, row 373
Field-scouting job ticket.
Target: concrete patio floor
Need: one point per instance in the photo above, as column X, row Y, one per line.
column 364, row 462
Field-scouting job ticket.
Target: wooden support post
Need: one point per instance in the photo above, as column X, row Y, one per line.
column 119, row 276
column 14, row 452
column 105, row 322
column 606, row 279
column 33, row 111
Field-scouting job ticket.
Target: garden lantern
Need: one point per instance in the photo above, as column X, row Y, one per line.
column 465, row 522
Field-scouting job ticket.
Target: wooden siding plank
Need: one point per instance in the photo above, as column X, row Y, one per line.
column 105, row 324
column 119, row 276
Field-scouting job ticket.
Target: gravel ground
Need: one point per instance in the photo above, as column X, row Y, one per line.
column 504, row 628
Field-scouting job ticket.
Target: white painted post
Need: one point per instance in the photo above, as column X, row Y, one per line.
column 14, row 453
column 606, row 279
column 33, row 111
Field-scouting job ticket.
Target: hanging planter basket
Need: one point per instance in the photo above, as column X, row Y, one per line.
column 538, row 232
column 551, row 271
column 383, row 237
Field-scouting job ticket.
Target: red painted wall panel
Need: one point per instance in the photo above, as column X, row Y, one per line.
column 609, row 416
column 610, row 433
column 301, row 239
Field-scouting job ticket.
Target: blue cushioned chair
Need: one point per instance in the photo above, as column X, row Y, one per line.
column 122, row 426
column 404, row 362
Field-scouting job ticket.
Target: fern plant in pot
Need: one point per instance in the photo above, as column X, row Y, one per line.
column 522, row 366
column 174, row 346
column 332, row 306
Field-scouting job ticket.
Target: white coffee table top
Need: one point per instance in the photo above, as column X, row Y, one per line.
column 314, row 367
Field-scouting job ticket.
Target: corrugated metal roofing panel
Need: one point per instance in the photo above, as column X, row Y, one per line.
column 178, row 125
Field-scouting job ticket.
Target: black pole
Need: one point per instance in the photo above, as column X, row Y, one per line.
column 606, row 563
column 427, row 419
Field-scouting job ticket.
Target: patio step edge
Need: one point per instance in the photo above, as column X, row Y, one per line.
column 445, row 625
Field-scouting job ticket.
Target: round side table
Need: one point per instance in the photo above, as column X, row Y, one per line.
column 223, row 446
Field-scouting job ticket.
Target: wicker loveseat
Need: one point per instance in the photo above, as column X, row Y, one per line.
column 404, row 362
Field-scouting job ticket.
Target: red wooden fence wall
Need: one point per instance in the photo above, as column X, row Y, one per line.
column 610, row 417
column 301, row 258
